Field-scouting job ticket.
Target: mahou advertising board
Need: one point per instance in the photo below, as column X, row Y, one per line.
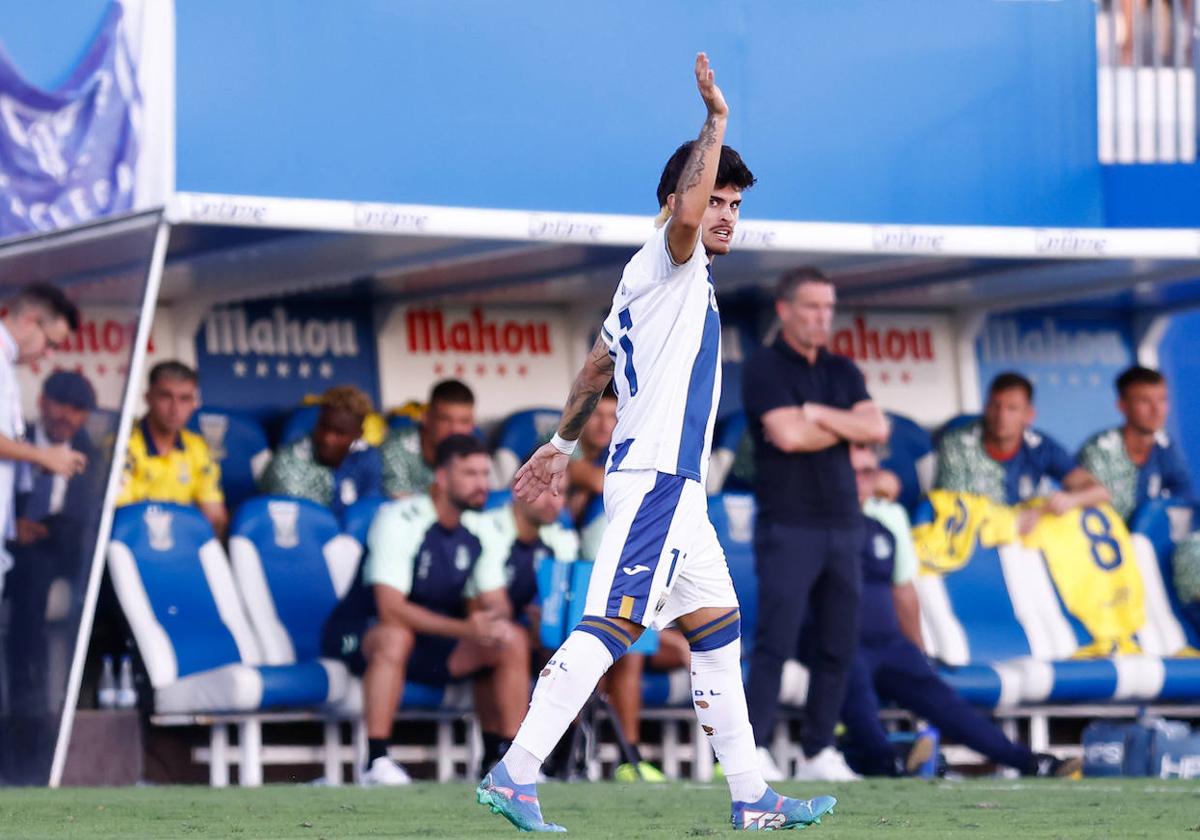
column 907, row 359
column 512, row 358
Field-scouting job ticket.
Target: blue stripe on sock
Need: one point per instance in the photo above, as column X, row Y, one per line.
column 716, row 633
column 612, row 636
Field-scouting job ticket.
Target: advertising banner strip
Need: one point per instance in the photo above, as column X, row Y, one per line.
column 757, row 235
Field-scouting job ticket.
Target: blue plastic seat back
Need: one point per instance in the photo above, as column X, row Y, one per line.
column 956, row 422
column 305, row 566
column 908, row 448
column 1153, row 521
column 732, row 515
column 299, row 424
column 357, row 519
column 166, row 541
column 517, row 437
column 238, row 443
column 981, row 602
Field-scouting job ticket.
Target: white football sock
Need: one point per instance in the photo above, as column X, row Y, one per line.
column 720, row 702
column 566, row 683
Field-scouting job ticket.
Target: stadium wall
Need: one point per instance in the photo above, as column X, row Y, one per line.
column 906, row 112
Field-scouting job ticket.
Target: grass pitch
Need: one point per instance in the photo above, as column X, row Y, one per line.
column 978, row 809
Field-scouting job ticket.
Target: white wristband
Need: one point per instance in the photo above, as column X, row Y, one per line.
column 563, row 445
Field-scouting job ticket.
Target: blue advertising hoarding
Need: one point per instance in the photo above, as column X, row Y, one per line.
column 1071, row 360
column 267, row 356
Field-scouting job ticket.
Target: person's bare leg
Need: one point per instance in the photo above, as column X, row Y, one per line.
column 501, row 692
column 672, row 652
column 387, row 648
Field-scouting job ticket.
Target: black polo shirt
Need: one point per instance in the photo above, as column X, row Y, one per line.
column 802, row 488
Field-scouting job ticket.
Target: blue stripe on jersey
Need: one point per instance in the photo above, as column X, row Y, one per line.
column 630, row 373
column 700, row 397
column 625, row 319
column 644, row 546
column 619, row 454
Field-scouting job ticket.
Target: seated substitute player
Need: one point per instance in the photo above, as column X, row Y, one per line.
column 407, row 453
column 166, row 462
column 1137, row 462
column 430, row 606
column 333, row 466
column 533, row 534
column 659, row 560
column 890, row 664
column 1000, row 456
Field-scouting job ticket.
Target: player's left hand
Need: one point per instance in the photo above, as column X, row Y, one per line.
column 544, row 472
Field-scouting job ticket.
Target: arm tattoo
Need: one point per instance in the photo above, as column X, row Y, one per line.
column 694, row 169
column 586, row 391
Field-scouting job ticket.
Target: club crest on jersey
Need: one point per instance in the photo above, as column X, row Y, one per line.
column 462, row 558
column 882, row 548
column 1025, row 487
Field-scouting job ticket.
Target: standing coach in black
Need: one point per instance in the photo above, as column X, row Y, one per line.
column 805, row 405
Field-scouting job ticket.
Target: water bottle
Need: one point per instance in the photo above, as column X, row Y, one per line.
column 126, row 693
column 107, row 695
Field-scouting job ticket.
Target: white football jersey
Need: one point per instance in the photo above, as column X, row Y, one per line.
column 664, row 333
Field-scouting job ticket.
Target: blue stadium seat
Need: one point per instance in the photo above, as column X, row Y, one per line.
column 357, row 519
column 732, row 515
column 1001, row 626
column 910, row 455
column 396, row 422
column 956, row 422
column 299, row 423
column 174, row 584
column 239, row 445
column 727, row 437
column 292, row 564
column 518, row 435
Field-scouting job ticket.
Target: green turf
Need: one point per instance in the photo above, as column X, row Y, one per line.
column 877, row 809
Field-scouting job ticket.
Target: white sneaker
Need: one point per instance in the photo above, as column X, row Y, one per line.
column 767, row 766
column 828, row 765
column 384, row 771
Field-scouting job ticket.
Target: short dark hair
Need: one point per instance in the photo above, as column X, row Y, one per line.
column 458, row 446
column 1007, row 381
column 51, row 298
column 1138, row 375
column 451, row 391
column 789, row 281
column 731, row 171
column 172, row 369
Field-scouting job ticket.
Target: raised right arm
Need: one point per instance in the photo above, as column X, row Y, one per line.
column 699, row 175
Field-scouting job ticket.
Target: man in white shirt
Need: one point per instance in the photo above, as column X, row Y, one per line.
column 659, row 560
column 39, row 321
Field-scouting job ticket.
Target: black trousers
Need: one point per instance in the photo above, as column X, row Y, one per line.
column 898, row 672
column 804, row 573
